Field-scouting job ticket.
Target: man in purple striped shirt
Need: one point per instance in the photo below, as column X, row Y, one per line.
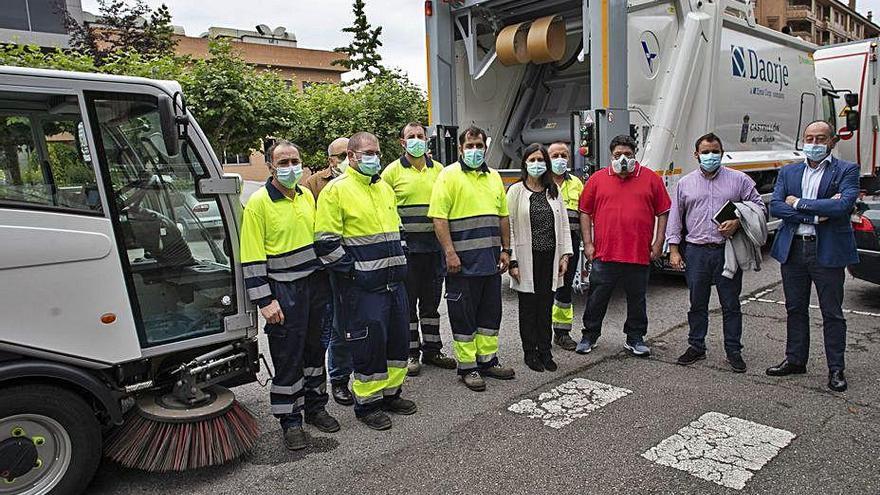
column 698, row 197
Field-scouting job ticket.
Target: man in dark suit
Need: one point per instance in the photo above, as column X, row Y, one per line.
column 814, row 200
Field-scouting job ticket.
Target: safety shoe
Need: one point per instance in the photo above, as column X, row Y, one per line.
column 294, row 438
column 638, row 348
column 534, row 362
column 548, row 362
column 565, row 341
column 399, row 406
column 736, row 363
column 498, row 372
column 376, row 420
column 439, row 360
column 691, row 356
column 585, row 346
column 323, row 421
column 474, row 381
column 341, row 394
column 413, row 366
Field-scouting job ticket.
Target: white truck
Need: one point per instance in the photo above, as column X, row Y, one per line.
column 664, row 71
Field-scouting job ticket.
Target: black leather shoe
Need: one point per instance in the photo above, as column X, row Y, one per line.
column 341, row 394
column 737, row 364
column 400, row 406
column 534, row 362
column 323, row 421
column 785, row 368
column 548, row 362
column 295, row 438
column 836, row 380
column 376, row 420
column 691, row 356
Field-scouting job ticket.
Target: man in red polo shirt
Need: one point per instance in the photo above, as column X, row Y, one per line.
column 624, row 209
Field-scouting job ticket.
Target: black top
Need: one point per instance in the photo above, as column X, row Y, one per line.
column 543, row 223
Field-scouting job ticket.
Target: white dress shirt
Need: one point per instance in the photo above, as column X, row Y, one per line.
column 809, row 190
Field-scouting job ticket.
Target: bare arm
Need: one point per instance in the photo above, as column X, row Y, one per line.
column 505, row 244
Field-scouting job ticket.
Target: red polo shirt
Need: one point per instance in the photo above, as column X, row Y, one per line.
column 624, row 212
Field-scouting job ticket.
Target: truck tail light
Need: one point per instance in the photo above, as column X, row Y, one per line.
column 200, row 208
column 863, row 225
column 429, row 8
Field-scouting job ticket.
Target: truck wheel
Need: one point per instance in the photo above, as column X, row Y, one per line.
column 50, row 441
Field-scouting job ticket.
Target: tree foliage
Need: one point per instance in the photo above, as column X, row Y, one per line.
column 363, row 51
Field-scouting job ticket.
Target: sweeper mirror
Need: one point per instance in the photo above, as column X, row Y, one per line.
column 168, row 123
column 852, row 120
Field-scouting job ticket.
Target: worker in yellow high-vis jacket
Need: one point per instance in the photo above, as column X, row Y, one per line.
column 358, row 236
column 570, row 188
column 284, row 278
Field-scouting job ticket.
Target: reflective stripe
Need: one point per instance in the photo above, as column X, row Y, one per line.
column 485, row 358
column 431, row 321
column 488, row 332
column 414, row 344
column 258, row 270
column 562, row 304
column 259, row 292
column 290, row 276
column 327, row 236
column 574, row 214
column 369, row 399
column 485, row 242
column 430, row 337
column 474, row 223
column 418, row 227
column 366, row 266
column 390, row 391
column 291, row 260
column 375, row 377
column 281, row 408
column 414, row 326
column 561, row 326
column 333, row 257
column 458, row 337
column 366, row 240
column 321, row 388
column 396, row 364
column 413, row 210
column 467, row 366
column 313, row 371
column 574, row 227
column 287, row 389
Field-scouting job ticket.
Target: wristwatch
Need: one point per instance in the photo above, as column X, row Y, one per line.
column 508, row 251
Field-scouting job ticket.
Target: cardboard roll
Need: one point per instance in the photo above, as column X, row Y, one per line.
column 511, row 45
column 546, row 40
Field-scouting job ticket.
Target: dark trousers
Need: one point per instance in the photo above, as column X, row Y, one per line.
column 703, row 268
column 376, row 325
column 474, row 306
column 424, row 285
column 295, row 346
column 563, row 312
column 604, row 277
column 801, row 270
column 339, row 366
column 535, row 308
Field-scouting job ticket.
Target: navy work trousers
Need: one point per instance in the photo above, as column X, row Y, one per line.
column 424, row 285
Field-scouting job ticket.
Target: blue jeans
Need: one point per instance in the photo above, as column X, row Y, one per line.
column 703, row 268
column 798, row 273
column 339, row 365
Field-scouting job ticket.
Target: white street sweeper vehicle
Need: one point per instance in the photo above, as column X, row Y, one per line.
column 583, row 71
column 121, row 313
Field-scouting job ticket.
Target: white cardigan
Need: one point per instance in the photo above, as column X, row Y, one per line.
column 521, row 236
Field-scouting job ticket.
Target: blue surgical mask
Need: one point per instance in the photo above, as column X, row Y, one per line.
column 416, row 147
column 289, row 176
column 474, row 158
column 370, row 165
column 710, row 162
column 536, row 169
column 816, row 152
column 560, row 165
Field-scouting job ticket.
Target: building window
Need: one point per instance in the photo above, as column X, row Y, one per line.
column 773, row 23
column 45, row 16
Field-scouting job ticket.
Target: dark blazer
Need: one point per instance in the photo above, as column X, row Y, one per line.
column 835, row 244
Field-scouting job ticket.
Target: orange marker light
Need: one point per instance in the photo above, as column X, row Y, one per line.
column 108, row 318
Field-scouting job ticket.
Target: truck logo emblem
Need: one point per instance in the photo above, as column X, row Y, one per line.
column 738, row 60
column 651, row 47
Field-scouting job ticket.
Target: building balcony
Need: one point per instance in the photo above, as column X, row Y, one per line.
column 797, row 11
column 804, row 35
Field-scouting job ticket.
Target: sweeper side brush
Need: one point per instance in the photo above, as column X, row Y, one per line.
column 160, row 434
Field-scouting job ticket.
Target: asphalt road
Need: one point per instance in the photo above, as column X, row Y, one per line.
column 616, row 416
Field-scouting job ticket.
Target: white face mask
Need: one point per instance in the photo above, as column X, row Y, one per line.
column 623, row 164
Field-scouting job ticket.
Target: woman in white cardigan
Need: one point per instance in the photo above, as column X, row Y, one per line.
column 541, row 244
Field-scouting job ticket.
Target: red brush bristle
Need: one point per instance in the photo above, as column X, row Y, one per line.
column 149, row 445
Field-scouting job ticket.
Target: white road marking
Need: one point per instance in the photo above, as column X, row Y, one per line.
column 722, row 449
column 569, row 401
column 759, row 298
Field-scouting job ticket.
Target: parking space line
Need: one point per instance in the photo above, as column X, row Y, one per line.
column 759, row 297
column 571, row 400
column 722, row 449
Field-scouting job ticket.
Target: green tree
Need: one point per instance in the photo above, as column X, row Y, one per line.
column 363, row 51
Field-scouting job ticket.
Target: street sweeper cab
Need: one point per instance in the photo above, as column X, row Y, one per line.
column 122, row 301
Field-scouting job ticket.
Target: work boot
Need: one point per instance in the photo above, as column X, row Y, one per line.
column 439, row 360
column 399, row 406
column 323, row 421
column 294, row 438
column 534, row 362
column 413, row 366
column 474, row 381
column 341, row 394
column 548, row 362
column 498, row 372
column 564, row 340
column 376, row 420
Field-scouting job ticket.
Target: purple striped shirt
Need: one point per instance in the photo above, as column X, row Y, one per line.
column 696, row 200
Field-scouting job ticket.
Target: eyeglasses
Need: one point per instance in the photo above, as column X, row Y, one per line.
column 340, row 156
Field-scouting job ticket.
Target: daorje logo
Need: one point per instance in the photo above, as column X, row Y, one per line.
column 745, row 63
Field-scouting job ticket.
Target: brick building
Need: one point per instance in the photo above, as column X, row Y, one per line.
column 824, row 22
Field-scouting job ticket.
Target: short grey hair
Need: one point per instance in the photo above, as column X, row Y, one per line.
column 281, row 143
column 359, row 138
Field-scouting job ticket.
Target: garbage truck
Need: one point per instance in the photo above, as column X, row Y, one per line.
column 111, row 288
column 584, row 71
